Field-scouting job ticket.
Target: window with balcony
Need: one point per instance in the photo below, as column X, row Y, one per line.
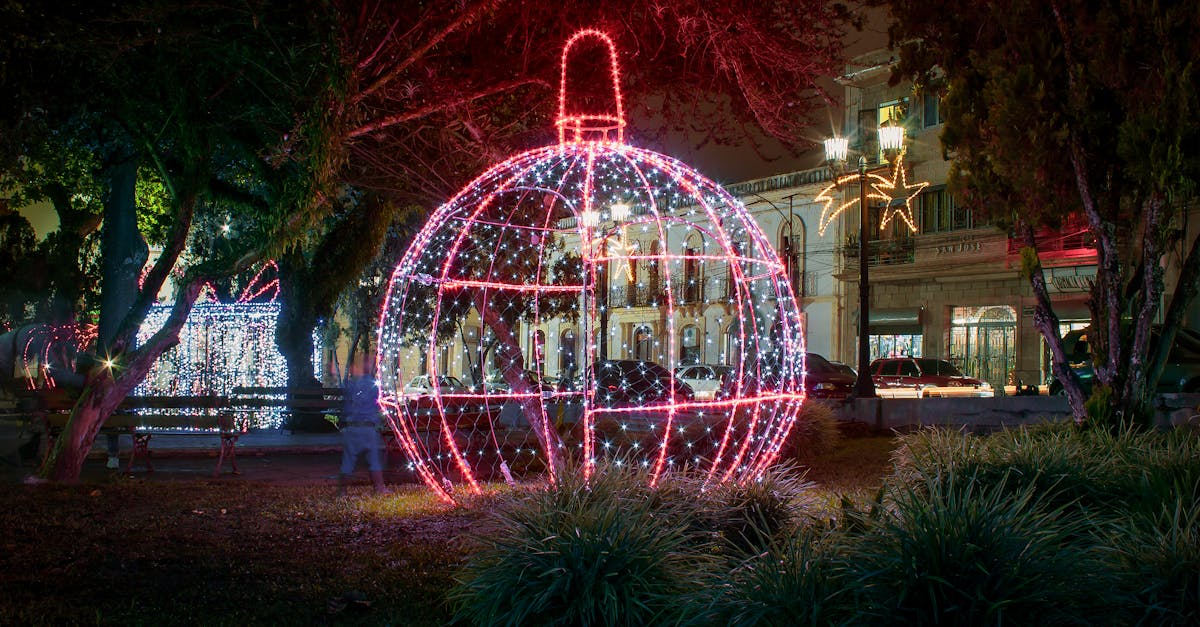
column 791, row 249
column 654, row 281
column 938, row 212
column 693, row 283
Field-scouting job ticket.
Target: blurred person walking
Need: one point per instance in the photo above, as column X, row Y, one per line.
column 359, row 423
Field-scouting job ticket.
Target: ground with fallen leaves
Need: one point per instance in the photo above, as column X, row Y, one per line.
column 212, row 552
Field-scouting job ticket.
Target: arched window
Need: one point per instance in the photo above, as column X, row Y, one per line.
column 732, row 346
column 566, row 351
column 689, row 345
column 471, row 355
column 654, row 280
column 693, row 282
column 792, row 242
column 537, row 356
column 643, row 343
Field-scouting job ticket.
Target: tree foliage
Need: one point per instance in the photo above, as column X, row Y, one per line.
column 1069, row 107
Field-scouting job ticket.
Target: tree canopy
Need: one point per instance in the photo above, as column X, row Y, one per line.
column 203, row 102
column 436, row 92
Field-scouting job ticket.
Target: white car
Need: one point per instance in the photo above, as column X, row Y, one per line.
column 704, row 379
column 423, row 384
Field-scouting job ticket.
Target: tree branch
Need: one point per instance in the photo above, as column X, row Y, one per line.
column 416, row 114
column 465, row 18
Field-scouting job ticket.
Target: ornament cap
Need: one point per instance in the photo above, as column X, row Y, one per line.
column 577, row 124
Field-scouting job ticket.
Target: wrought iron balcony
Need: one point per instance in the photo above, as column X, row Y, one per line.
column 887, row 252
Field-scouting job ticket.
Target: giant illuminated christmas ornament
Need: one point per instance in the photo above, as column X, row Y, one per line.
column 540, row 318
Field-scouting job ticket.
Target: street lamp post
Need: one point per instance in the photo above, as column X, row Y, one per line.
column 864, row 387
column 891, row 141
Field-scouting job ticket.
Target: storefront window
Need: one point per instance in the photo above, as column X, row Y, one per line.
column 983, row 342
column 895, row 345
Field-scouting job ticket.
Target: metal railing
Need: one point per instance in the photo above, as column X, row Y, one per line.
column 888, row 252
column 683, row 292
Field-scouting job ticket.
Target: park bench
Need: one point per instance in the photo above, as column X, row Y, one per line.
column 143, row 417
column 464, row 412
column 295, row 403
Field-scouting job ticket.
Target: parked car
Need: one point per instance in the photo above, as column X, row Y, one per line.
column 704, row 379
column 825, row 380
column 627, row 382
column 1181, row 373
column 495, row 383
column 844, row 368
column 919, row 377
column 822, row 381
column 422, row 384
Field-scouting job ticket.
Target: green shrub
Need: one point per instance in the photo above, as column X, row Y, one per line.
column 792, row 583
column 1158, row 556
column 953, row 550
column 580, row 553
column 1163, row 467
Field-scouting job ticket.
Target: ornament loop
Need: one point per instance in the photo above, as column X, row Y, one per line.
column 572, row 125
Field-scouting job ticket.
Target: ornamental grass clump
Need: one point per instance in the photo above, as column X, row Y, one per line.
column 794, row 582
column 1158, row 558
column 953, row 550
column 751, row 516
column 1099, row 471
column 815, row 432
column 579, row 552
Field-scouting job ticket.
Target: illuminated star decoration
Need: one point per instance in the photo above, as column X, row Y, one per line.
column 896, row 189
column 622, row 248
column 829, row 213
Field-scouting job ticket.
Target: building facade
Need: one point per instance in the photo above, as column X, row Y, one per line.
column 950, row 287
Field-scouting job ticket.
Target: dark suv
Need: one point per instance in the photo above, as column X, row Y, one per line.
column 1181, row 373
column 631, row 383
column 821, row 380
column 824, row 380
column 919, row 377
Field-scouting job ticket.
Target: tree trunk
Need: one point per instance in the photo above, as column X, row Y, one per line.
column 294, row 338
column 513, row 370
column 1046, row 321
column 124, row 250
column 102, row 393
column 1136, row 396
column 297, row 319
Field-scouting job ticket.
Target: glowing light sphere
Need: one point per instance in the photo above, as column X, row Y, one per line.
column 536, row 322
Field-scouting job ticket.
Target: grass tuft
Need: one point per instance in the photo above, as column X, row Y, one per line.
column 953, row 550
column 582, row 553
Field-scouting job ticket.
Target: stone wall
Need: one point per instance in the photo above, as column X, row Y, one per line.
column 984, row 415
